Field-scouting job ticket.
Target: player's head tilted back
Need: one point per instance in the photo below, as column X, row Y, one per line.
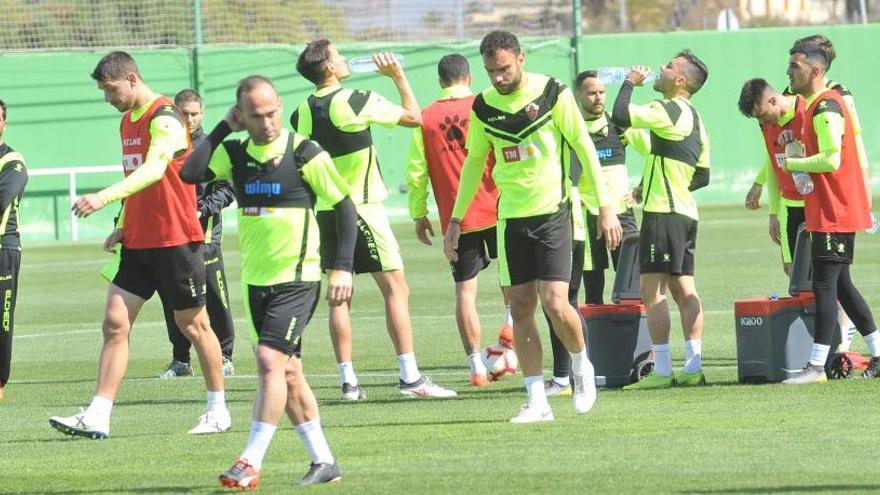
column 189, row 102
column 118, row 77
column 504, row 60
column 453, row 69
column 807, row 65
column 685, row 73
column 590, row 93
column 320, row 62
column 759, row 100
column 2, row 119
column 259, row 108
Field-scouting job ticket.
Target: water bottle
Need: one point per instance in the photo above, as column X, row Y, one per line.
column 616, row 75
column 803, row 182
column 875, row 225
column 359, row 65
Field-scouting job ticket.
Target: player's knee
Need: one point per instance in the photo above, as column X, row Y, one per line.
column 115, row 328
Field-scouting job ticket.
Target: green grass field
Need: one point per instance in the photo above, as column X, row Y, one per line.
column 726, row 438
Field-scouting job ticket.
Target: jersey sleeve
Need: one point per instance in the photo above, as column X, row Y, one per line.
column 829, row 126
column 651, row 116
column 323, row 178
column 478, row 146
column 703, row 161
column 638, row 139
column 13, row 178
column 375, row 109
column 167, row 140
column 220, row 165
column 774, row 194
column 417, row 176
column 570, row 123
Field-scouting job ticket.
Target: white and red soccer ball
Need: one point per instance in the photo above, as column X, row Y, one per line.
column 500, row 361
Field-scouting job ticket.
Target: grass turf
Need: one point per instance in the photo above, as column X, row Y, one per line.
column 725, row 438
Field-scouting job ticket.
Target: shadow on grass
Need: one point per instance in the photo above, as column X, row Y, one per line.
column 157, row 489
column 424, row 423
column 788, row 489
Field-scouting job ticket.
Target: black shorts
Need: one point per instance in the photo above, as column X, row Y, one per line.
column 375, row 248
column 790, row 219
column 667, row 244
column 834, row 248
column 536, row 247
column 596, row 248
column 178, row 271
column 278, row 314
column 475, row 249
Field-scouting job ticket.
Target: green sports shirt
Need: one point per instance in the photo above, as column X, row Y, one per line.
column 339, row 119
column 679, row 146
column 279, row 241
column 528, row 131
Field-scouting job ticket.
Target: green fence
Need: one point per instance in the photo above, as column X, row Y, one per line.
column 57, row 117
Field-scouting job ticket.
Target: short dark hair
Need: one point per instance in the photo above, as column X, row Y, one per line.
column 499, row 40
column 310, row 63
column 813, row 52
column 824, row 43
column 696, row 72
column 3, row 108
column 587, row 74
column 114, row 67
column 249, row 83
column 751, row 94
column 453, row 68
column 185, row 96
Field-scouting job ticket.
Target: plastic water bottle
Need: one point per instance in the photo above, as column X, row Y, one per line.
column 359, row 65
column 875, row 225
column 616, row 75
column 803, row 182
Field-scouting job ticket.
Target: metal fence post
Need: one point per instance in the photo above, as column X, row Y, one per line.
column 577, row 32
column 197, row 46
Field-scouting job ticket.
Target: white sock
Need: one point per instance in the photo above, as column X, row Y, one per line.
column 693, row 355
column 508, row 318
column 662, row 359
column 562, row 381
column 873, row 342
column 216, row 400
column 475, row 362
column 581, row 364
column 258, row 443
column 313, row 437
column 100, row 407
column 847, row 330
column 535, row 388
column 819, row 354
column 346, row 374
column 409, row 371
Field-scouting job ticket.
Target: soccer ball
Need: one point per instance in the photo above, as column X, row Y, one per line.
column 500, row 361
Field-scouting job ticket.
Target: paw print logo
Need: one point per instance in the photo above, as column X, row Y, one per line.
column 451, row 127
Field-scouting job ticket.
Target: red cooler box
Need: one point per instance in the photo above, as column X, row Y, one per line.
column 774, row 337
column 618, row 342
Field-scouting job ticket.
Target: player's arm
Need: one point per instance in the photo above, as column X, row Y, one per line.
column 167, row 141
column 417, row 186
column 13, row 179
column 209, row 160
column 321, row 175
column 478, row 147
column 829, row 126
column 700, row 179
column 411, row 116
column 218, row 195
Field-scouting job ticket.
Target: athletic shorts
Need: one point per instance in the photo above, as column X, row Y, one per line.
column 667, row 244
column 278, row 314
column 595, row 251
column 790, row 219
column 375, row 249
column 835, row 248
column 179, row 272
column 475, row 249
column 535, row 248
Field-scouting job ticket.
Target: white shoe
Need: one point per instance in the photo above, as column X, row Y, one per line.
column 552, row 388
column 81, row 425
column 533, row 414
column 583, row 393
column 424, row 387
column 213, row 421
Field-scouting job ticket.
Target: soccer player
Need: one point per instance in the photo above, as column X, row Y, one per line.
column 13, row 178
column 525, row 119
column 436, row 155
column 835, row 210
column 276, row 175
column 339, row 120
column 211, row 198
column 162, row 244
column 677, row 165
column 781, row 119
column 610, row 142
